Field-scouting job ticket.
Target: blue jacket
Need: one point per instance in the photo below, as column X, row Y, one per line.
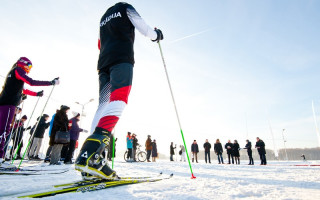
column 75, row 130
column 129, row 142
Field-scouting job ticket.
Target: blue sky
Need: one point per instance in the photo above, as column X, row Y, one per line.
column 252, row 61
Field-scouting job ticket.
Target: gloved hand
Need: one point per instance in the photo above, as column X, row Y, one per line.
column 55, row 81
column 28, row 128
column 159, row 35
column 24, row 97
column 40, row 94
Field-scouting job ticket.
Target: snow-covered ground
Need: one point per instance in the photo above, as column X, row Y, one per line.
column 278, row 180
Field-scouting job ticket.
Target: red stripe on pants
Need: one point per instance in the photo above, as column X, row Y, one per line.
column 121, row 94
column 108, row 122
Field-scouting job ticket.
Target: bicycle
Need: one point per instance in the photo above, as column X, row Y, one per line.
column 141, row 156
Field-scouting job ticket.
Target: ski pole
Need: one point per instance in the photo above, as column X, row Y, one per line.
column 8, row 140
column 15, row 155
column 175, row 107
column 15, row 140
column 31, row 137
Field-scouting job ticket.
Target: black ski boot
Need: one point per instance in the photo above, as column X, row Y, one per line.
column 91, row 158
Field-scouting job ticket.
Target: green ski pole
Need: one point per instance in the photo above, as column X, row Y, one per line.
column 175, row 107
column 15, row 155
column 31, row 137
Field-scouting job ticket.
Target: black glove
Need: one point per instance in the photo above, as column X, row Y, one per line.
column 55, row 81
column 28, row 128
column 159, row 35
column 40, row 94
column 24, row 97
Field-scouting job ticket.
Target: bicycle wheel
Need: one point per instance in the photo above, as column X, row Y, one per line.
column 125, row 156
column 142, row 156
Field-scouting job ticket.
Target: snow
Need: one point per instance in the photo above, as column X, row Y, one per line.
column 277, row 180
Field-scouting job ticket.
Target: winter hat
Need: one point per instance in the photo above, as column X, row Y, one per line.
column 76, row 114
column 45, row 115
column 24, row 117
column 63, row 107
column 25, row 64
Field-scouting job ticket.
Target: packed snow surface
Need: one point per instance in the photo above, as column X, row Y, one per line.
column 277, row 180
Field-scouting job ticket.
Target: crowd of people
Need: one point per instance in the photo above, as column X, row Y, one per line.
column 58, row 151
column 133, row 145
column 232, row 150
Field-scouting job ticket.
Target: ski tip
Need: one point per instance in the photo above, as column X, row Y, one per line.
column 193, row 177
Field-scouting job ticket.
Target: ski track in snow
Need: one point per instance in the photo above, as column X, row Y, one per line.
column 279, row 180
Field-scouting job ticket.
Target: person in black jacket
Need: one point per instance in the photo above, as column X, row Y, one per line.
column 17, row 132
column 249, row 150
column 236, row 152
column 60, row 123
column 229, row 148
column 134, row 146
column 115, row 68
column 38, row 136
column 218, row 150
column 194, row 150
column 262, row 151
column 172, row 151
column 207, row 147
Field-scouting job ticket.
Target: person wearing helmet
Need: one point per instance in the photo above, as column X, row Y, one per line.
column 12, row 93
column 115, row 67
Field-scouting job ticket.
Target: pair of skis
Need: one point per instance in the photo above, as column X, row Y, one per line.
column 96, row 184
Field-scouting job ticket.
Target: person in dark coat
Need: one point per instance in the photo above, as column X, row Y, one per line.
column 218, row 150
column 148, row 147
column 17, row 132
column 60, row 123
column 172, row 151
column 135, row 144
column 194, row 150
column 74, row 136
column 207, row 147
column 236, row 152
column 229, row 148
column 154, row 151
column 249, row 150
column 38, row 136
column 261, row 150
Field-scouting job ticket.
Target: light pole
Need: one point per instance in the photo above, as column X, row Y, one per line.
column 91, row 100
column 284, row 143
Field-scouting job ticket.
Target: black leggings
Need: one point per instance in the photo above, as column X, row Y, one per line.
column 129, row 154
